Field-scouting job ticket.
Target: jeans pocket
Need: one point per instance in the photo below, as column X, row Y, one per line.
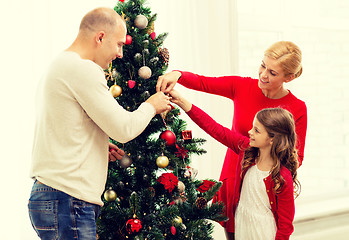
column 43, row 216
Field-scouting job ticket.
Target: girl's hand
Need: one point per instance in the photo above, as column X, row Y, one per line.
column 180, row 101
column 167, row 81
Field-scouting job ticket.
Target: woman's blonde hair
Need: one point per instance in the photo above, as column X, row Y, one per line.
column 279, row 124
column 288, row 55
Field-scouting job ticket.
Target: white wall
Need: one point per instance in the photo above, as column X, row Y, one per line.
column 207, row 37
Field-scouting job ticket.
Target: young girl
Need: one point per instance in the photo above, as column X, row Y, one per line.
column 266, row 174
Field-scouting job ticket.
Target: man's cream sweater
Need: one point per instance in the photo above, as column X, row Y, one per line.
column 75, row 116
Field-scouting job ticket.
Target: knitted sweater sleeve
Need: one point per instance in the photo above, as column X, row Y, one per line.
column 285, row 208
column 224, row 86
column 224, row 135
column 301, row 130
column 91, row 91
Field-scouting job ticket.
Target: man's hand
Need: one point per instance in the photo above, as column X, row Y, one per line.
column 167, row 81
column 115, row 153
column 160, row 102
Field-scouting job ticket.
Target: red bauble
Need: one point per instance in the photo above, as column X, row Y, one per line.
column 169, row 137
column 128, row 40
column 152, row 35
column 133, row 225
column 173, row 230
column 131, row 83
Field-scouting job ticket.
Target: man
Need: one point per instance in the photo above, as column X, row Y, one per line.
column 76, row 116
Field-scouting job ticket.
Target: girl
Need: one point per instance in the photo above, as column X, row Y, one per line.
column 266, row 172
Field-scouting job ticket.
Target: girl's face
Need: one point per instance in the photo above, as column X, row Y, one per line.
column 259, row 136
column 271, row 75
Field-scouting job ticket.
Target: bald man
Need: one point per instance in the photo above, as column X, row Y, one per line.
column 76, row 115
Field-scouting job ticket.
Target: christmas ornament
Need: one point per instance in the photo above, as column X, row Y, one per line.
column 169, row 137
column 181, row 186
column 120, row 185
column 181, row 152
column 144, row 72
column 145, row 43
column 115, row 90
column 154, row 60
column 145, row 95
column 152, row 35
column 141, row 22
column 125, row 161
column 138, row 58
column 128, row 40
column 164, row 54
column 133, row 225
column 205, row 186
column 121, row 1
column 114, row 73
column 169, row 180
column 131, row 83
column 186, row 135
column 201, row 203
column 162, row 161
column 190, row 173
column 177, row 220
column 146, row 52
column 110, row 195
column 173, row 230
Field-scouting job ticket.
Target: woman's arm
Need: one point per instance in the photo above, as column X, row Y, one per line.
column 223, row 86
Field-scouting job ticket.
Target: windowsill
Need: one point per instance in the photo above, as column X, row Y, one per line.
column 317, row 207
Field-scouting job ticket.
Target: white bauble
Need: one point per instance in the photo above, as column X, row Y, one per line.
column 144, row 72
column 141, row 22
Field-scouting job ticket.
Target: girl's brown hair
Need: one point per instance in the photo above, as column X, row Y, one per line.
column 279, row 124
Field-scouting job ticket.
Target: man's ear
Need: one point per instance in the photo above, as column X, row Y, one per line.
column 99, row 37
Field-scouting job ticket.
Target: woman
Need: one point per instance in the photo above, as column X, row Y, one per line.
column 281, row 64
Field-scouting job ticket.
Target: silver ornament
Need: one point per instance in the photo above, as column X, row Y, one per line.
column 144, row 72
column 125, row 161
column 141, row 22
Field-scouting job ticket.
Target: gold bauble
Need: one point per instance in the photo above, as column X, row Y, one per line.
column 181, row 186
column 177, row 220
column 110, row 195
column 162, row 161
column 115, row 90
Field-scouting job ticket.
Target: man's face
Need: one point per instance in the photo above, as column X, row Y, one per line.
column 111, row 46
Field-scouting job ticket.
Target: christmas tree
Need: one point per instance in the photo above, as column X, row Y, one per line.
column 152, row 192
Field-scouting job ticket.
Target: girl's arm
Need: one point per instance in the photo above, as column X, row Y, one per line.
column 224, row 135
column 285, row 209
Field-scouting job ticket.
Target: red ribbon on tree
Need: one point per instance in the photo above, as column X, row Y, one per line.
column 121, row 1
column 169, row 180
column 181, row 152
column 205, row 186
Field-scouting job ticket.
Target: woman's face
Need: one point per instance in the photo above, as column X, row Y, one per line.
column 271, row 75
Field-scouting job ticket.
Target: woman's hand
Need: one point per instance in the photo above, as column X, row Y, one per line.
column 167, row 81
column 180, row 101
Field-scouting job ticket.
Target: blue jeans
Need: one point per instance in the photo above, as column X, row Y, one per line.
column 56, row 215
